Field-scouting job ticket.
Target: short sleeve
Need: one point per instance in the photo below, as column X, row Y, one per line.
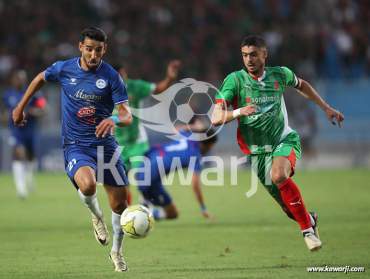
column 119, row 92
column 52, row 73
column 291, row 79
column 140, row 88
column 228, row 89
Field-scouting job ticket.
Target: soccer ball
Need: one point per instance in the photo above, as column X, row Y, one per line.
column 137, row 221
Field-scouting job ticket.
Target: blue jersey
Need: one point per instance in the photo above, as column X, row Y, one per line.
column 185, row 151
column 87, row 97
column 11, row 98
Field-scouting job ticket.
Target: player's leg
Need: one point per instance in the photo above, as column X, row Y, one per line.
column 117, row 197
column 19, row 170
column 261, row 165
column 117, row 191
column 163, row 206
column 80, row 165
column 85, row 180
column 283, row 164
column 292, row 198
column 30, row 165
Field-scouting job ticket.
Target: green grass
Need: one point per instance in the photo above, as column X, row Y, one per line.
column 49, row 235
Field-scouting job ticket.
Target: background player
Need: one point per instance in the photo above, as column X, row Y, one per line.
column 183, row 153
column 263, row 132
column 23, row 138
column 133, row 138
column 90, row 90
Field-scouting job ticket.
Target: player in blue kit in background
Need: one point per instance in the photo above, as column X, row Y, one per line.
column 23, row 139
column 90, row 89
column 165, row 158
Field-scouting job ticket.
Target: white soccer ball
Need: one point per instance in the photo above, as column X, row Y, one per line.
column 137, row 221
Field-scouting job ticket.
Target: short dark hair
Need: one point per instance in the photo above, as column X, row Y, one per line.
column 93, row 33
column 253, row 40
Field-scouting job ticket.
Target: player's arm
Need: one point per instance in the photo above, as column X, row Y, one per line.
column 199, row 195
column 309, row 92
column 171, row 75
column 121, row 119
column 18, row 113
column 221, row 115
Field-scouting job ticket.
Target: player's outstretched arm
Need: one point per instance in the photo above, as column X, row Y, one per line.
column 18, row 113
column 220, row 115
column 171, row 75
column 333, row 115
column 199, row 195
column 123, row 118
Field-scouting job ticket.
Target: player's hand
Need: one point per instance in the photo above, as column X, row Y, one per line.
column 334, row 116
column 19, row 116
column 106, row 127
column 248, row 110
column 173, row 69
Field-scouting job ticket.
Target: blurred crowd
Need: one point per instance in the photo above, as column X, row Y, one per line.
column 318, row 39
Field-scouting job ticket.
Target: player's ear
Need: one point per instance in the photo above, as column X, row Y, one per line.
column 104, row 48
column 80, row 46
column 265, row 54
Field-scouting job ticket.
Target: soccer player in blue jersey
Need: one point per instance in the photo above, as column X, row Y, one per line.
column 165, row 158
column 23, row 139
column 90, row 89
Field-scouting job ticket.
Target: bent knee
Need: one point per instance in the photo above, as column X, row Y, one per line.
column 279, row 176
column 119, row 206
column 87, row 185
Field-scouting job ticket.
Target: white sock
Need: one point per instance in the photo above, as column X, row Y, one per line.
column 117, row 233
column 92, row 203
column 30, row 168
column 309, row 230
column 159, row 213
column 19, row 173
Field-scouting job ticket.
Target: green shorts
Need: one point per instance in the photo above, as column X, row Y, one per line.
column 132, row 150
column 289, row 147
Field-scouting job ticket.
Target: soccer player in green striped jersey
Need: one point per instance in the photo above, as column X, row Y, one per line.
column 256, row 94
column 133, row 138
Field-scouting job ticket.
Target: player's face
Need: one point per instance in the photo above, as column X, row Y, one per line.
column 91, row 52
column 254, row 59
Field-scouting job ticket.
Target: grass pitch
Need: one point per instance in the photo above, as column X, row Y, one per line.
column 49, row 235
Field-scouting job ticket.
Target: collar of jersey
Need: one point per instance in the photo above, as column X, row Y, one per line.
column 79, row 66
column 258, row 79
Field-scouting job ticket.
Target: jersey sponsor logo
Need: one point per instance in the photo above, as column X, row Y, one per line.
column 101, row 83
column 80, row 94
column 73, row 81
column 265, row 99
column 263, row 115
column 86, row 111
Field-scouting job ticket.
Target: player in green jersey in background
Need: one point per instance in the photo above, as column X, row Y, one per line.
column 256, row 94
column 133, row 138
